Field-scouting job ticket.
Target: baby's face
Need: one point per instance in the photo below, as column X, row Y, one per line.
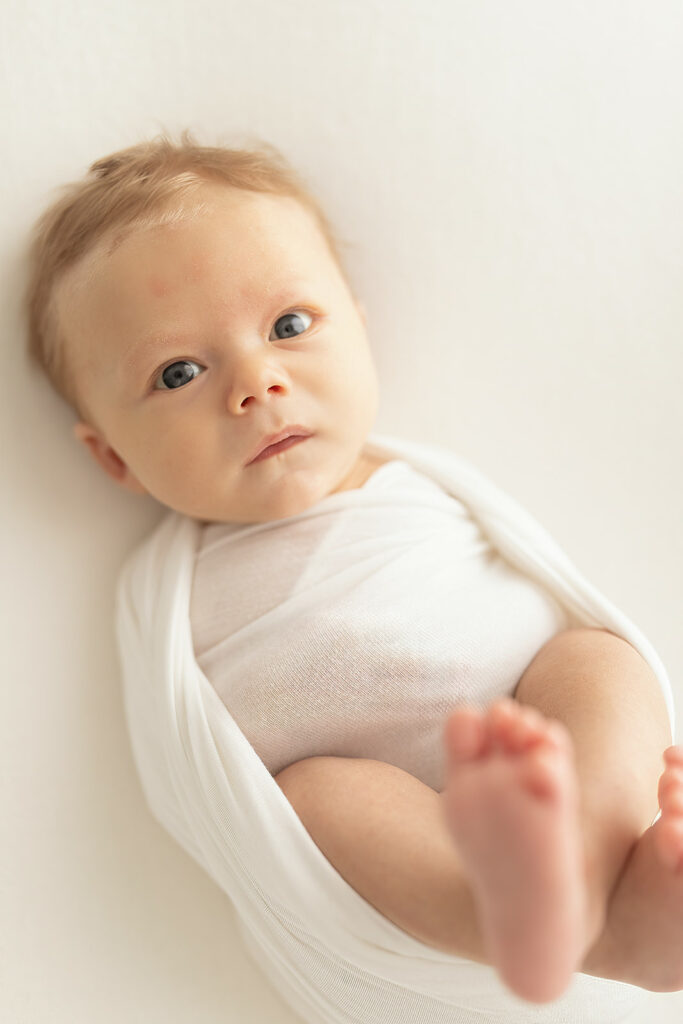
column 194, row 341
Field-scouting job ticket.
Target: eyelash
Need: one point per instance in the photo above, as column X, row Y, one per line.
column 295, row 309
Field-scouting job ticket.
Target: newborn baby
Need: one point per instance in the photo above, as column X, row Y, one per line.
column 479, row 768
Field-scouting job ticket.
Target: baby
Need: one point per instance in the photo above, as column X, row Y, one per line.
column 536, row 852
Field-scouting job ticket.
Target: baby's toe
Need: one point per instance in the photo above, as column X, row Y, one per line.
column 671, row 801
column 670, row 783
column 668, row 833
column 464, row 735
column 515, row 727
column 674, row 755
column 542, row 772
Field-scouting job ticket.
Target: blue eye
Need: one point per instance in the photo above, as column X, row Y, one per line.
column 290, row 322
column 175, row 373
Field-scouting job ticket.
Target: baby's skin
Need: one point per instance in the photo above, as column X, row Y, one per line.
column 512, row 804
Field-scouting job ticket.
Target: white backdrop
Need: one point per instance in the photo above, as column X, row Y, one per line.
column 507, row 176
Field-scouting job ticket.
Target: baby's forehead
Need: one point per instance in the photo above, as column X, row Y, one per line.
column 254, row 212
column 208, row 201
column 80, row 273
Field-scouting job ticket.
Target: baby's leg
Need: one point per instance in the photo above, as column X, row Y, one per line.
column 619, row 725
column 621, row 736
column 386, row 834
column 546, row 816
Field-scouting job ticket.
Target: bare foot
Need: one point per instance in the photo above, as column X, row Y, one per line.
column 644, row 929
column 512, row 806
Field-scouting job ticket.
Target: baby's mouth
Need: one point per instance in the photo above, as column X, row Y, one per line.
column 280, row 446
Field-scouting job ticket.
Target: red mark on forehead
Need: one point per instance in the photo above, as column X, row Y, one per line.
column 158, row 286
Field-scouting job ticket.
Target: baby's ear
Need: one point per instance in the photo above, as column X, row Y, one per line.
column 106, row 457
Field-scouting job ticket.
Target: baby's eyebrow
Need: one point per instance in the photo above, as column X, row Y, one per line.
column 146, row 350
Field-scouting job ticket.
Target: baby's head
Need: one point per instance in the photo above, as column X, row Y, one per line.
column 188, row 302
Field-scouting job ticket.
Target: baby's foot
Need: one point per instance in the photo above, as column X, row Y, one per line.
column 512, row 805
column 644, row 930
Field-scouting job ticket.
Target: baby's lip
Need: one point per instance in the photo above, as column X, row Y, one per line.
column 293, row 429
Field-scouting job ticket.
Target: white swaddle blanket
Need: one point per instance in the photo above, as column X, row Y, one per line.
column 332, row 955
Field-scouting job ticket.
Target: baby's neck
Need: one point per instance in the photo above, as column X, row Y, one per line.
column 361, row 472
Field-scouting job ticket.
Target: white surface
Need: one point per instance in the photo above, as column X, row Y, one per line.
column 507, row 176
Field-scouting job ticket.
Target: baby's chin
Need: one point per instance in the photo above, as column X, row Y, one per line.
column 290, row 501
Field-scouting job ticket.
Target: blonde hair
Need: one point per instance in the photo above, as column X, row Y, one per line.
column 129, row 189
